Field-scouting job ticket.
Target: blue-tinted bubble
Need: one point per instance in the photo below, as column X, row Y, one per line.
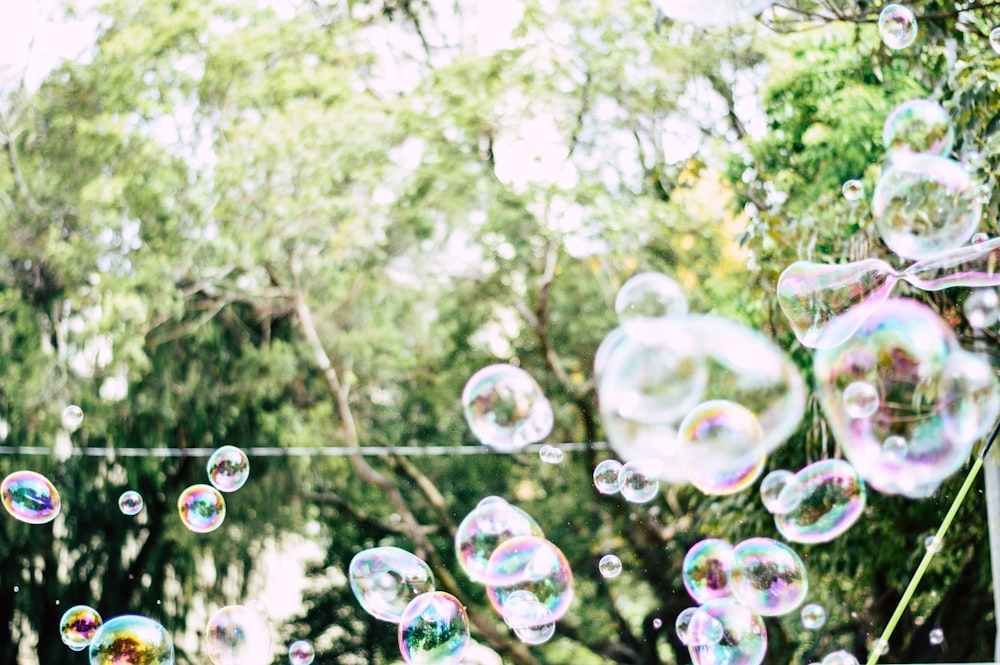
column 131, row 640
column 434, row 630
column 386, row 579
column 706, row 570
column 236, row 635
column 506, row 408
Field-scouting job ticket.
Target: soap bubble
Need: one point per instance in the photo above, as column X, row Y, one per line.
column 506, row 408
column 386, row 579
column 936, row 636
column 722, row 483
column 880, row 646
column 202, row 508
column 30, row 497
column 488, row 525
column 980, row 237
column 434, row 630
column 529, row 563
column 228, row 469
column 236, row 635
column 301, row 652
column 983, row 194
column 607, row 477
column 840, row 657
column 528, row 617
column 895, row 446
column 718, row 12
column 645, row 301
column 898, row 27
column 933, row 544
column 611, row 341
column 72, row 417
column 78, row 626
column 918, row 126
column 130, row 502
column 831, row 499
column 853, row 190
column 725, row 431
column 924, row 205
column 697, row 627
column 638, row 482
column 551, row 455
column 768, row 576
column 861, row 399
column 706, row 570
column 743, row 641
column 813, row 616
column 995, row 39
column 982, row 308
column 780, row 492
column 610, row 566
column 131, row 640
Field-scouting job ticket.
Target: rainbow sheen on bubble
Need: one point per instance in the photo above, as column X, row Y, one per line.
column 696, row 627
column 919, row 126
column 831, row 498
column 645, row 301
column 607, row 476
column 228, row 468
column 301, row 652
column 492, row 522
column 717, row 12
column 131, row 640
column 936, row 637
column 706, row 570
column 813, row 616
column 839, row 657
column 982, row 308
column 768, row 577
column 30, row 497
column 897, row 25
column 780, row 492
column 723, row 483
column 506, row 408
column 638, row 481
column 237, row 635
column 78, row 626
column 529, row 618
column 529, row 563
column 202, row 508
column 386, row 579
column 743, row 641
column 434, row 630
column 727, row 432
column 130, row 503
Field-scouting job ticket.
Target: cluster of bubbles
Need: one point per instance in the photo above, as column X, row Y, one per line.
column 202, row 507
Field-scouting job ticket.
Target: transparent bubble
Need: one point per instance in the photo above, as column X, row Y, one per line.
column 934, row 394
column 832, row 498
column 983, row 194
column 72, row 417
column 696, row 627
column 979, row 238
column 638, row 482
column 506, row 408
column 29, row 497
column 743, row 640
column 973, row 161
column 780, row 492
column 995, row 39
column 228, row 469
column 657, row 623
column 880, row 646
column 722, row 483
column 78, row 626
column 936, row 636
column 301, row 652
column 645, row 301
column 724, row 430
column 895, row 446
column 257, row 606
column 919, row 126
column 551, row 455
column 491, row 523
column 130, row 502
column 925, row 204
column 529, row 618
column 933, row 544
column 840, row 658
column 861, row 399
column 236, row 635
column 386, row 579
column 434, row 630
column 898, row 27
column 853, row 190
column 706, row 570
column 813, row 616
column 611, row 341
column 610, row 566
column 607, row 477
column 202, row 508
column 529, row 563
column 718, row 12
column 982, row 308
column 768, row 576
column 131, row 640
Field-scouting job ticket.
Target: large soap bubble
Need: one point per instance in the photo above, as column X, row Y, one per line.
column 78, row 626
column 726, row 432
column 506, row 408
column 237, row 635
column 646, row 302
column 932, row 393
column 488, row 525
column 716, row 12
column 529, row 618
column 918, row 126
column 706, row 570
column 743, row 641
column 30, row 497
column 131, row 640
column 897, row 25
column 768, row 576
column 386, row 579
column 830, row 498
column 202, row 508
column 228, row 468
column 528, row 563
column 434, row 630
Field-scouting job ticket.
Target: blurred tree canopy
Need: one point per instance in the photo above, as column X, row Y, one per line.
column 307, row 224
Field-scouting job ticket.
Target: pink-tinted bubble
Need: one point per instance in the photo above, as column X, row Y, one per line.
column 530, row 620
column 301, row 652
column 78, row 626
column 434, row 630
column 528, row 563
column 491, row 523
column 386, row 579
column 831, row 498
column 768, row 577
column 202, row 508
column 706, row 570
column 506, row 408
column 132, row 640
column 743, row 641
column 897, row 26
column 237, row 635
column 696, row 627
column 30, row 497
column 228, row 468
column 722, row 483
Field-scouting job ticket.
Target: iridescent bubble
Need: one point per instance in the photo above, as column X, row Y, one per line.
column 551, row 455
column 638, row 482
column 131, row 640
column 980, row 237
column 933, row 544
column 236, row 635
column 506, row 408
column 723, row 483
column 925, row 204
column 30, row 497
column 832, row 498
column 743, row 641
column 853, row 190
column 434, row 630
column 130, row 502
column 72, row 417
column 301, row 652
column 529, row 618
column 491, row 523
column 706, row 570
column 386, row 579
column 202, row 508
column 861, row 399
column 780, row 492
column 813, row 616
column 725, row 431
column 936, row 636
column 919, row 126
column 610, row 566
column 228, row 469
column 982, row 308
column 839, row 658
column 898, row 28
column 983, row 194
column 768, row 576
column 645, row 301
column 696, row 627
column 895, row 446
column 718, row 12
column 607, row 477
column 529, row 563
column 78, row 626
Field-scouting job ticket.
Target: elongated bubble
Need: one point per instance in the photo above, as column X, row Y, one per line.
column 831, row 497
column 386, row 579
column 30, row 497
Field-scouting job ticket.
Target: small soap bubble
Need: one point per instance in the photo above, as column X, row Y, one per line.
column 202, row 508
column 696, row 627
column 72, row 417
column 529, row 618
column 610, row 566
column 995, row 39
column 29, row 497
column 121, row 636
column 743, row 639
column 434, row 630
column 840, row 658
column 813, row 616
column 301, row 652
column 506, row 408
column 645, row 301
column 982, row 308
column 228, row 469
column 880, row 646
column 706, row 570
column 551, row 454
column 861, row 399
column 607, row 477
column 235, row 634
column 853, row 190
column 638, row 483
column 897, row 26
column 657, row 623
column 895, row 446
column 779, row 492
column 936, row 636
column 983, row 194
column 130, row 502
column 933, row 544
column 386, row 579
column 78, row 626
column 979, row 238
column 973, row 161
